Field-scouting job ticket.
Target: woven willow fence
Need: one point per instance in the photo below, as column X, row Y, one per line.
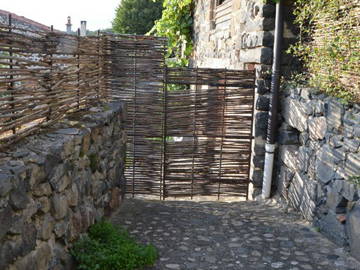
column 46, row 75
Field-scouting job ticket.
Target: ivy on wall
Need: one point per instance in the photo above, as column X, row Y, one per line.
column 329, row 45
column 176, row 24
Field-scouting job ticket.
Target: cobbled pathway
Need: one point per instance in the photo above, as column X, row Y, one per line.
column 222, row 235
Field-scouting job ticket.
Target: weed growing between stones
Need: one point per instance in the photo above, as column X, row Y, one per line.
column 355, row 180
column 108, row 248
column 94, row 162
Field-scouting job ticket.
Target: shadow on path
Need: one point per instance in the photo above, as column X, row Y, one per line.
column 229, row 235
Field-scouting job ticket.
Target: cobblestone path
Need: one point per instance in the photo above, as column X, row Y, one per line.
column 221, row 235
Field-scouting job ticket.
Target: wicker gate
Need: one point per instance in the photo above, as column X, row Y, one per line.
column 189, row 130
column 208, row 121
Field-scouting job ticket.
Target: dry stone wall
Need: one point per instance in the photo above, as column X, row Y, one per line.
column 319, row 160
column 54, row 185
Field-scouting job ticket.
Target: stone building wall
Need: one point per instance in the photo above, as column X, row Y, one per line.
column 319, row 153
column 239, row 34
column 54, row 185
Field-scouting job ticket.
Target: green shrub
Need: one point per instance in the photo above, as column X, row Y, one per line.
column 108, row 248
column 136, row 16
column 176, row 24
column 329, row 45
column 355, row 180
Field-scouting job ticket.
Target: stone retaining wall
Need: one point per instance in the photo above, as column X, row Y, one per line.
column 319, row 154
column 54, row 185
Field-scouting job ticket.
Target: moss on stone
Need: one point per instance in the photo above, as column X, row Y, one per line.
column 94, row 162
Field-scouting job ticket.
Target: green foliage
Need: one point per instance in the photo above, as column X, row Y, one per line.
column 355, row 180
column 176, row 24
column 329, row 45
column 136, row 16
column 108, row 248
column 94, row 162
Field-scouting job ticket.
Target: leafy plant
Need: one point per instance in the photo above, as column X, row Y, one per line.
column 136, row 16
column 355, row 180
column 108, row 248
column 176, row 24
column 329, row 45
column 94, row 162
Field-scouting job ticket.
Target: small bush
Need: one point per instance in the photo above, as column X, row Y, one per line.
column 108, row 248
column 329, row 45
column 355, row 180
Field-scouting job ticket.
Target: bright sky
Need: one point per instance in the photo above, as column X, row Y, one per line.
column 97, row 13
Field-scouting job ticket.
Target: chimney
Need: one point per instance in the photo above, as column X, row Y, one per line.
column 68, row 25
column 83, row 29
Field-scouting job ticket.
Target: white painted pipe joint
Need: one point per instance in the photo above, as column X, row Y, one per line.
column 268, row 170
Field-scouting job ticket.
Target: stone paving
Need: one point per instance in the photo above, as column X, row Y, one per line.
column 229, row 235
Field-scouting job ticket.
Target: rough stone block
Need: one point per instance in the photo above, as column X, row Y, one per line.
column 268, row 10
column 318, row 107
column 37, row 175
column 262, row 103
column 303, row 138
column 352, row 164
column 262, row 86
column 317, row 127
column 61, row 228
column 351, row 118
column 60, row 179
column 336, row 141
column 28, row 242
column 46, row 230
column 332, row 228
column 324, row 172
column 288, row 155
column 18, row 168
column 305, row 93
column 286, row 137
column 304, row 157
column 338, row 155
column 42, row 190
column 338, row 186
column 353, row 228
column 261, row 55
column 42, row 256
column 261, row 121
column 357, row 131
column 251, row 40
column 259, row 146
column 257, row 178
column 72, row 195
column 352, row 145
column 7, row 218
column 45, row 204
column 294, row 113
column 6, row 184
column 258, row 161
column 283, row 180
column 335, row 201
column 59, row 206
column 302, row 194
column 19, row 199
column 349, row 191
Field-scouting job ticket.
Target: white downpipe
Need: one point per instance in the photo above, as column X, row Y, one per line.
column 268, row 170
